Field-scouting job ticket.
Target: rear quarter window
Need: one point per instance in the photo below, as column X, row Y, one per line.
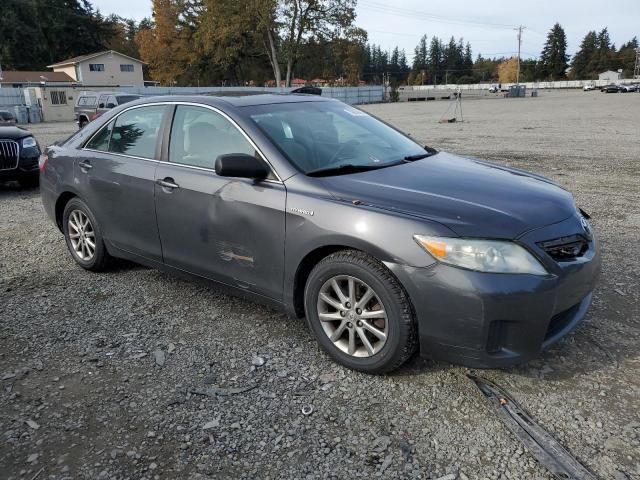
column 100, row 140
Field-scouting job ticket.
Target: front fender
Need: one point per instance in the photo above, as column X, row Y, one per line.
column 315, row 222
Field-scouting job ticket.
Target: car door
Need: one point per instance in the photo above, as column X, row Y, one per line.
column 226, row 229
column 115, row 174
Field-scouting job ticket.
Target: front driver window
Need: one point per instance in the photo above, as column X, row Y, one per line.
column 199, row 135
column 135, row 132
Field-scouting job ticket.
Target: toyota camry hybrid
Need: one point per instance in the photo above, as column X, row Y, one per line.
column 384, row 245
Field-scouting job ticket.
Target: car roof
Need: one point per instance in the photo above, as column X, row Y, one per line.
column 235, row 100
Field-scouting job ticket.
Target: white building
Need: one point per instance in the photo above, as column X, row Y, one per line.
column 108, row 68
column 610, row 76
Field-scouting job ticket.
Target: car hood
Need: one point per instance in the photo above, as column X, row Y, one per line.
column 13, row 133
column 471, row 197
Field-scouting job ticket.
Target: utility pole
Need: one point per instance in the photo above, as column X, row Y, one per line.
column 636, row 68
column 519, row 30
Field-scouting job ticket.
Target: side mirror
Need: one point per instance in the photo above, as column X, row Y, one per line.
column 101, row 105
column 241, row 165
column 111, row 105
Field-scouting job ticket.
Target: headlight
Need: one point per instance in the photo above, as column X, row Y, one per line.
column 28, row 142
column 483, row 255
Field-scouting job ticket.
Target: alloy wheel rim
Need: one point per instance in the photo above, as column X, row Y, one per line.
column 352, row 316
column 82, row 235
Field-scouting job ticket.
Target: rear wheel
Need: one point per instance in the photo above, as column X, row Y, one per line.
column 359, row 313
column 84, row 237
column 83, row 122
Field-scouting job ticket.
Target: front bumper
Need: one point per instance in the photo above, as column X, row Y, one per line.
column 27, row 165
column 488, row 320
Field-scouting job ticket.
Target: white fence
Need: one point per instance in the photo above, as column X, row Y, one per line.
column 530, row 85
column 351, row 95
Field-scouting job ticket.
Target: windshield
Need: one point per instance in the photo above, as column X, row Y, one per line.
column 324, row 136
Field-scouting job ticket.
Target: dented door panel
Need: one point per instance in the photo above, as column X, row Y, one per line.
column 229, row 230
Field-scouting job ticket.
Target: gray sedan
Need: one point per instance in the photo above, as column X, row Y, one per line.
column 384, row 245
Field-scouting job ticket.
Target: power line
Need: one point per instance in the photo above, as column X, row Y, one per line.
column 410, row 13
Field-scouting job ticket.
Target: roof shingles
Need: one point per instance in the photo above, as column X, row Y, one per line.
column 10, row 76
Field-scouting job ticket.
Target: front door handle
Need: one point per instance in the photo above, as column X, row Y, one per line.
column 85, row 165
column 167, row 183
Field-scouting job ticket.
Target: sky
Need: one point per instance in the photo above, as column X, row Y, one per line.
column 489, row 26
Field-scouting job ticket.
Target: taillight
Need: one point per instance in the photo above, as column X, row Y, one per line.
column 42, row 161
column 93, row 116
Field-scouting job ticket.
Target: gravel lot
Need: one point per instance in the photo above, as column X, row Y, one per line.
column 138, row 374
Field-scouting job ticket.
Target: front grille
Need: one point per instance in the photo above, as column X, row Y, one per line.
column 565, row 249
column 8, row 154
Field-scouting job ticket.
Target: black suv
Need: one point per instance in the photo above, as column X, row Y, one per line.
column 19, row 153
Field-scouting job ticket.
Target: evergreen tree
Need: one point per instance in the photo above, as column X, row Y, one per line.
column 554, row 59
column 421, row 55
column 38, row 33
column 468, row 60
column 436, row 59
column 402, row 62
column 626, row 57
column 604, row 59
column 583, row 64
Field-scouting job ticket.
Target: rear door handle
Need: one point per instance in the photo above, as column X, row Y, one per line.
column 85, row 165
column 167, row 183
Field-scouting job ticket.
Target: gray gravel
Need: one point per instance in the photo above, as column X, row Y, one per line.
column 137, row 374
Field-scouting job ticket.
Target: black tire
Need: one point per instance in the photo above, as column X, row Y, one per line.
column 32, row 181
column 83, row 123
column 101, row 258
column 401, row 341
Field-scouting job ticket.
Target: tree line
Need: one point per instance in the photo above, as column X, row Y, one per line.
column 226, row 42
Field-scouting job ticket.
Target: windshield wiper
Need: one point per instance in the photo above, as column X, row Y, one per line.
column 429, row 152
column 345, row 168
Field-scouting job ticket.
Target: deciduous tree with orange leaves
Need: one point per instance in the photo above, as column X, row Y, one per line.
column 166, row 45
column 508, row 70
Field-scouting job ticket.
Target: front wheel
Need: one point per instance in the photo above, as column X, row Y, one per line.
column 359, row 313
column 84, row 236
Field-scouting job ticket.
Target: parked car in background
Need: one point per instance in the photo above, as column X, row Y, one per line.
column 628, row 88
column 589, row 87
column 319, row 208
column 7, row 118
column 494, row 89
column 611, row 88
column 19, row 154
column 90, row 105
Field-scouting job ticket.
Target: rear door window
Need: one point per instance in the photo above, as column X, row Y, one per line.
column 136, row 131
